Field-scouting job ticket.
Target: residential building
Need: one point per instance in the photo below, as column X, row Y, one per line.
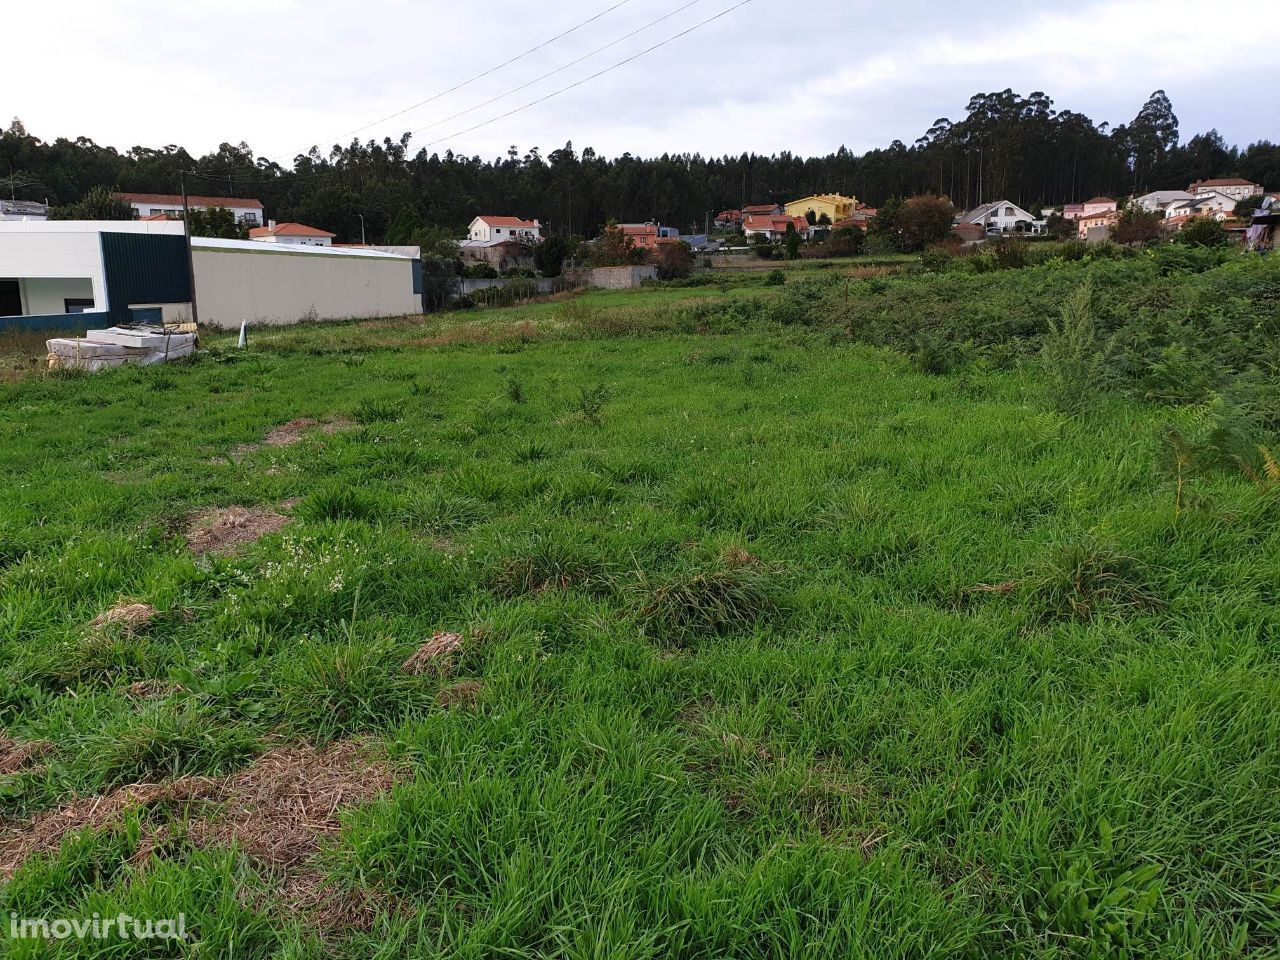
column 1096, row 226
column 643, row 235
column 23, row 210
column 114, row 272
column 835, row 206
column 1003, row 216
column 1098, row 205
column 1071, row 211
column 728, row 219
column 296, row 234
column 762, row 210
column 1216, row 205
column 858, row 220
column 1158, row 200
column 486, row 229
column 775, row 228
column 169, row 206
column 499, row 254
column 1234, row 187
column 647, row 236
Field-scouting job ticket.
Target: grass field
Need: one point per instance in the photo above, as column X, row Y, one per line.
column 633, row 625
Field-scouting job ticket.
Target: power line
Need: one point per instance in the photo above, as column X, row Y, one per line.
column 531, row 103
column 572, row 63
column 600, row 73
column 489, row 72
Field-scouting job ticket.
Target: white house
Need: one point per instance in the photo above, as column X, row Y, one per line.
column 1160, row 199
column 297, row 234
column 774, row 228
column 490, row 229
column 1216, row 205
column 169, row 206
column 1001, row 217
column 1233, row 187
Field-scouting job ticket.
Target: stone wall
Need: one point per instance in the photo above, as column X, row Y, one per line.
column 622, row 278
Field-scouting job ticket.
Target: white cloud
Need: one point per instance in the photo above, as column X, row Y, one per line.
column 775, row 75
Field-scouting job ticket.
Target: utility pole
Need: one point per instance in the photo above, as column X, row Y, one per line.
column 186, row 230
column 361, row 216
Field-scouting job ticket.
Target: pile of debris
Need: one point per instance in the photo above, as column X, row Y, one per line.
column 114, row 346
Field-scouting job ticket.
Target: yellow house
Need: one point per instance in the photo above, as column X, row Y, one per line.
column 835, row 206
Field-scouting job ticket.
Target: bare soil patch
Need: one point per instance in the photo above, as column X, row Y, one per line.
column 435, row 656
column 287, row 434
column 216, row 531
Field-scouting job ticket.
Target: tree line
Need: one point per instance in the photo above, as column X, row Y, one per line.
column 1006, row 147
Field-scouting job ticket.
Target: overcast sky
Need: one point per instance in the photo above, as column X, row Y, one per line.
column 799, row 75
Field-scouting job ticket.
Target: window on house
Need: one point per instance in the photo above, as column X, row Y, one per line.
column 77, row 305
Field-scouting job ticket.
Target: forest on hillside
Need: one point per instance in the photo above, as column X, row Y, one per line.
column 1005, row 147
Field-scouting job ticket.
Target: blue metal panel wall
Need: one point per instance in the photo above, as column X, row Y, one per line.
column 58, row 322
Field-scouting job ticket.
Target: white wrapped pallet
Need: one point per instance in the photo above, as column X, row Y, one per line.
column 103, row 349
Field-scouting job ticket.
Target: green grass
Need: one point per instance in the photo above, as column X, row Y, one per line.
column 788, row 650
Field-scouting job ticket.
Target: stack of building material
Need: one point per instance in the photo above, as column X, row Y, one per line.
column 102, row 349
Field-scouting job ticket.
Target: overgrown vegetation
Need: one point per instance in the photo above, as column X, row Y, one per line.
column 687, row 621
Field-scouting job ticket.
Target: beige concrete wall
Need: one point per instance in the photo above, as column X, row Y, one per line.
column 277, row 285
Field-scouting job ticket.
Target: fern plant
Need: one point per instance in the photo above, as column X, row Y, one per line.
column 1073, row 353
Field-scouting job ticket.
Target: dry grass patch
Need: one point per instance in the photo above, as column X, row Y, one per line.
column 44, row 833
column 16, row 756
column 277, row 810
column 130, row 618
column 152, row 689
column 435, row 656
column 465, row 693
column 217, row 531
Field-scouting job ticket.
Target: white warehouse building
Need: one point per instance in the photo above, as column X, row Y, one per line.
column 114, row 272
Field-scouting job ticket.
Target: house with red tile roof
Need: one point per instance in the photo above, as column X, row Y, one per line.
column 486, row 229
column 168, row 206
column 774, row 228
column 1087, row 222
column 763, row 210
column 647, row 236
column 728, row 219
column 293, row 234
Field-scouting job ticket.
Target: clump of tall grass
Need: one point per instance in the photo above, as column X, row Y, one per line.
column 376, row 410
column 696, row 602
column 552, row 563
column 1084, row 579
column 337, row 502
